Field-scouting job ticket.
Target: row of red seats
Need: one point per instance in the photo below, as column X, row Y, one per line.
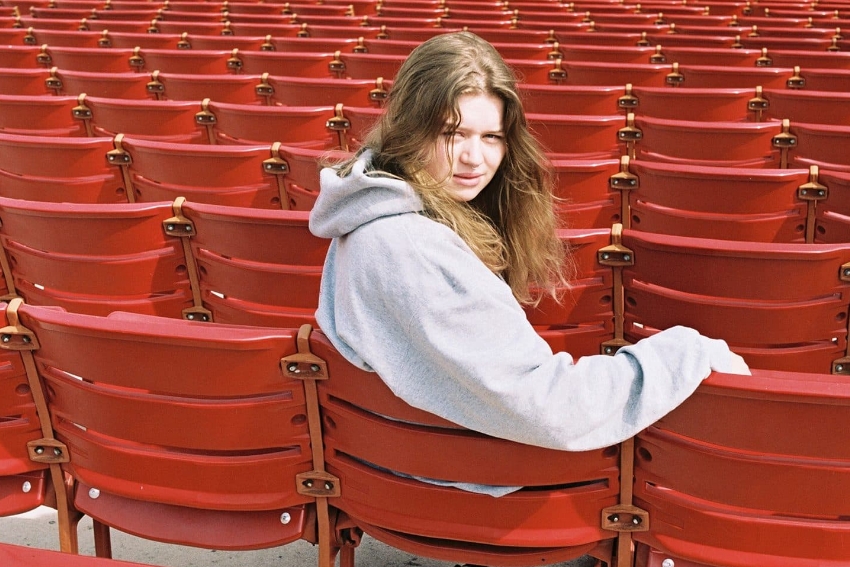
column 130, row 34
column 802, row 204
column 594, row 192
column 302, row 475
column 422, row 15
column 54, row 115
column 326, row 57
column 376, row 68
column 208, row 262
column 767, row 144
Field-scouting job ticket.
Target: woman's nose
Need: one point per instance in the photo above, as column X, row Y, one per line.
column 471, row 151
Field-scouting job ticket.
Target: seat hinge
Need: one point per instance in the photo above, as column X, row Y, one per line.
column 758, row 104
column 318, row 484
column 48, row 451
column 304, row 365
column 625, row 518
column 628, row 101
column 15, row 336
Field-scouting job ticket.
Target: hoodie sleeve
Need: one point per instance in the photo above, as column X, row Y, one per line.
column 411, row 301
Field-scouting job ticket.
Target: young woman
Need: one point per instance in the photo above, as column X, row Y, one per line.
column 440, row 225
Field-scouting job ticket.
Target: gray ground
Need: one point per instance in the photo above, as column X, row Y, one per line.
column 38, row 529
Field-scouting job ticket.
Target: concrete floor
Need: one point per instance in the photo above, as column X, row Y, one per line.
column 38, row 529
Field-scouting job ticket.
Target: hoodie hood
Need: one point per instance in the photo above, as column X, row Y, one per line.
column 346, row 203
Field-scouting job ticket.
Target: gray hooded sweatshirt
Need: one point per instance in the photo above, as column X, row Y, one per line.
column 404, row 296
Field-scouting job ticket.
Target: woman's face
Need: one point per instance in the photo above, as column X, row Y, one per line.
column 467, row 157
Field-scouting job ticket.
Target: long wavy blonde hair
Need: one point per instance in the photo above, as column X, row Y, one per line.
column 511, row 224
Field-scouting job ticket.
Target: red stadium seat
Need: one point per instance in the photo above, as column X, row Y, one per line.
column 582, row 323
column 127, row 85
column 19, row 56
column 236, row 89
column 25, row 556
column 253, row 125
column 833, row 213
column 582, row 137
column 24, row 484
column 587, row 195
column 708, row 76
column 256, row 267
column 557, row 518
column 809, row 59
column 62, row 38
column 570, row 99
column 357, row 122
column 167, row 121
column 120, row 259
column 130, row 40
column 59, row 169
column 245, row 176
column 170, row 477
column 24, row 82
column 728, row 144
column 697, row 104
column 753, row 291
column 302, row 173
column 181, row 61
column 89, row 59
column 286, row 63
column 744, row 472
column 602, row 73
column 720, row 202
column 813, row 107
column 363, row 65
column 821, row 144
column 39, row 116
column 307, row 91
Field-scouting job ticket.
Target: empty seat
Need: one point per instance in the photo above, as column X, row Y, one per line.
column 569, row 99
column 814, row 107
column 581, row 323
column 127, row 85
column 39, row 116
column 19, row 56
column 26, row 556
column 587, row 197
column 90, row 59
column 24, row 82
column 833, row 213
column 24, row 484
column 172, row 121
column 747, row 469
column 729, row 144
column 237, row 89
column 252, row 125
column 823, row 145
column 578, row 136
column 745, row 293
column 602, row 73
column 720, row 202
column 213, row 463
column 119, row 259
column 302, row 173
column 286, row 63
column 698, row 104
column 181, row 60
column 712, row 76
column 306, row 91
column 59, row 169
column 257, row 267
column 246, row 176
column 363, row 65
